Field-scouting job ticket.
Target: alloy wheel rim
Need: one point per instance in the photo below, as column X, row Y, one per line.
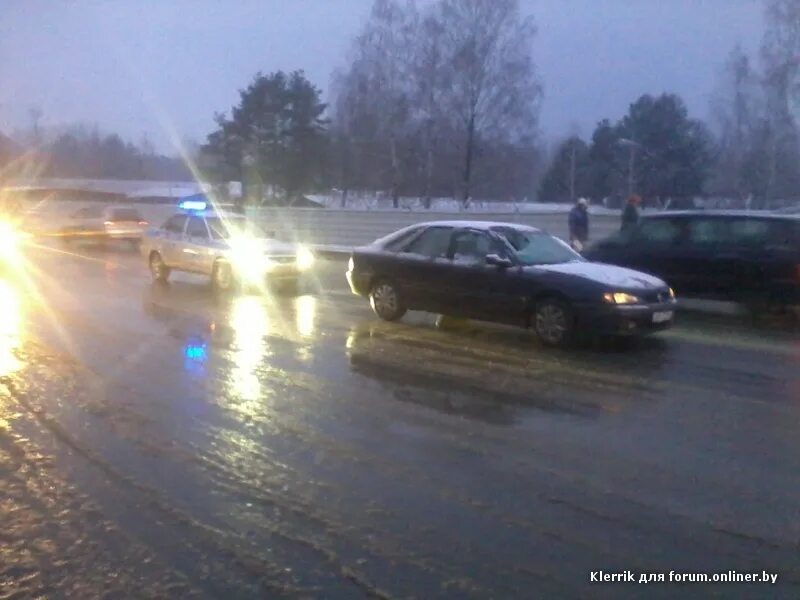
column 223, row 277
column 551, row 323
column 156, row 267
column 384, row 299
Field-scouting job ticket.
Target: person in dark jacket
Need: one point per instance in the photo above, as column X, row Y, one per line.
column 630, row 214
column 579, row 224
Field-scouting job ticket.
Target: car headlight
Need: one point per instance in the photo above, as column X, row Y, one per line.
column 621, row 298
column 247, row 258
column 671, row 294
column 305, row 258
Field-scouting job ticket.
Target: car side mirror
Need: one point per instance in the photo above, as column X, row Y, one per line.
column 498, row 261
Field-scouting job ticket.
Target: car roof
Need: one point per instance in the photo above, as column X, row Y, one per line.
column 720, row 214
column 122, row 206
column 210, row 214
column 482, row 225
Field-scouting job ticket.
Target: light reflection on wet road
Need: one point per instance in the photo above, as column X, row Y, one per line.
column 296, row 446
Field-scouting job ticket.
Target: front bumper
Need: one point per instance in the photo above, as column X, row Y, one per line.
column 627, row 319
column 358, row 282
column 283, row 271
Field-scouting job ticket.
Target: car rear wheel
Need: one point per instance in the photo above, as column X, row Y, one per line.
column 386, row 301
column 223, row 279
column 553, row 322
column 158, row 270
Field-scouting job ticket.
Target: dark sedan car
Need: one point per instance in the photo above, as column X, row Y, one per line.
column 506, row 273
column 740, row 256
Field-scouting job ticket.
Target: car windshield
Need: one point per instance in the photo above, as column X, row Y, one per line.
column 537, row 248
column 88, row 212
column 232, row 227
column 125, row 214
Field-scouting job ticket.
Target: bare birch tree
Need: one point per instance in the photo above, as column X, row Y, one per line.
column 492, row 87
column 780, row 54
column 375, row 89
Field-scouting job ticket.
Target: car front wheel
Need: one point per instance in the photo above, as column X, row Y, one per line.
column 553, row 322
column 158, row 270
column 385, row 300
column 223, row 278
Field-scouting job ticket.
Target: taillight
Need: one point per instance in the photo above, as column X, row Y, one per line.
column 108, row 223
column 143, row 223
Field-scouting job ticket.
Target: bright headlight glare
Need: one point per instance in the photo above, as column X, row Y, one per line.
column 305, row 258
column 671, row 294
column 9, row 240
column 247, row 259
column 620, row 298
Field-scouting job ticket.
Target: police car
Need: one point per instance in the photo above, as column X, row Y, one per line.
column 230, row 249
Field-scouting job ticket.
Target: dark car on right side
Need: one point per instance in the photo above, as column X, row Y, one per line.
column 740, row 256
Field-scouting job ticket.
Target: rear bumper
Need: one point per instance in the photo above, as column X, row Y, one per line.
column 637, row 319
column 123, row 233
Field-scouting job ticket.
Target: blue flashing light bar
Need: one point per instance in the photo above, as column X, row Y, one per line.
column 193, row 205
column 195, row 352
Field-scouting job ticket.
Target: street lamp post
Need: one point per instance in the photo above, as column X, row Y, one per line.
column 633, row 145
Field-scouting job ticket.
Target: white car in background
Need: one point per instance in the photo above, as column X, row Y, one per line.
column 228, row 248
column 104, row 223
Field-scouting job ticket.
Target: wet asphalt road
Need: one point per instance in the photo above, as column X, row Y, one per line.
column 158, row 442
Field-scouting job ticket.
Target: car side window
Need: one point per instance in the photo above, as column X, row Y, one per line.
column 471, row 247
column 175, row 223
column 750, row 233
column 434, row 242
column 658, row 233
column 87, row 212
column 707, row 232
column 197, row 228
column 783, row 235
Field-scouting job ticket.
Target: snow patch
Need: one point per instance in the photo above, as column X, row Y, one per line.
column 607, row 274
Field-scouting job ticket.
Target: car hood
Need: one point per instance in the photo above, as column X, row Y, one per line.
column 610, row 275
column 272, row 246
column 267, row 246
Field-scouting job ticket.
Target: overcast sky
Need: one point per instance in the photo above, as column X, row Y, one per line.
column 163, row 67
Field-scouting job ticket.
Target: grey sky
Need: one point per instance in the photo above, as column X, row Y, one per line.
column 150, row 66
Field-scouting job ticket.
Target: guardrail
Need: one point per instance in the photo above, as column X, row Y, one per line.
column 343, row 227
column 354, row 227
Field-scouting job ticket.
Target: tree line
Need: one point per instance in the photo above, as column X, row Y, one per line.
column 749, row 150
column 655, row 151
column 85, row 152
column 436, row 101
column 442, row 98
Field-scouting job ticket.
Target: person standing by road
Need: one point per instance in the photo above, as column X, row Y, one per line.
column 579, row 224
column 630, row 214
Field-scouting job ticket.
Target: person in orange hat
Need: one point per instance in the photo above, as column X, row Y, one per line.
column 630, row 214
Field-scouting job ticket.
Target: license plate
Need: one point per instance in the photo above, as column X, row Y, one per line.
column 661, row 317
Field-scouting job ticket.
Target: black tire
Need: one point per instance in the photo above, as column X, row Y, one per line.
column 386, row 301
column 553, row 322
column 223, row 279
column 159, row 271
